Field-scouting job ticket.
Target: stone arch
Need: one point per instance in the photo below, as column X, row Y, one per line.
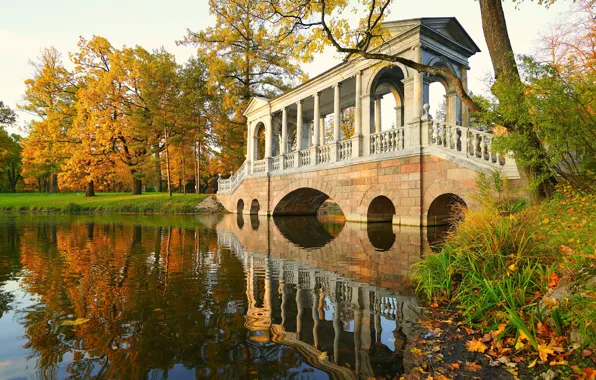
column 255, row 207
column 240, row 206
column 441, row 62
column 258, row 141
column 444, row 209
column 313, row 188
column 387, row 81
column 367, row 89
column 380, row 209
column 375, row 191
column 453, row 105
column 446, row 186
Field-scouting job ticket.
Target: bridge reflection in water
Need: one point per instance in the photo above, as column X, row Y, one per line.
column 205, row 297
column 338, row 293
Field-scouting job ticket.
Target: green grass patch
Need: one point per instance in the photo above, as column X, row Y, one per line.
column 157, row 203
column 505, row 268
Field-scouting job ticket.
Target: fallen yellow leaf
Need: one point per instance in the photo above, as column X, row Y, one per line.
column 475, row 345
column 533, row 364
column 544, row 351
column 559, row 362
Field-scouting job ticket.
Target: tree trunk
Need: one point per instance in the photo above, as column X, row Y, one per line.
column 184, row 176
column 501, row 53
column 54, row 184
column 168, row 163
column 159, row 184
column 90, row 192
column 198, row 167
column 137, row 186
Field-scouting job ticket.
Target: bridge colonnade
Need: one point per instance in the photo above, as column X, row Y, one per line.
column 327, row 135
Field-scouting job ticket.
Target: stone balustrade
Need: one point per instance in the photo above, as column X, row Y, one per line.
column 467, row 144
column 259, row 166
column 323, row 154
column 387, row 141
column 304, row 157
column 345, row 150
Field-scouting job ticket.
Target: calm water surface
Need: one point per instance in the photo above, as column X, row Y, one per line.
column 196, row 297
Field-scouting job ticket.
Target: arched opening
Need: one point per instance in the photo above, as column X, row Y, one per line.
column 308, row 231
column 254, row 207
column 387, row 108
column 255, row 222
column 381, row 236
column 303, row 201
column 259, row 142
column 437, row 100
column 240, row 206
column 240, row 220
column 446, row 209
column 444, row 103
column 381, row 209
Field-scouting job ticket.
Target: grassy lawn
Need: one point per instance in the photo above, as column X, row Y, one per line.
column 104, row 202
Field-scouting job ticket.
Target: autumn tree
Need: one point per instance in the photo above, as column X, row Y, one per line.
column 50, row 95
column 10, row 151
column 571, row 39
column 196, row 105
column 7, row 116
column 113, row 102
column 246, row 56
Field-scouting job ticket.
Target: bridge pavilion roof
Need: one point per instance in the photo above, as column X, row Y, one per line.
column 443, row 36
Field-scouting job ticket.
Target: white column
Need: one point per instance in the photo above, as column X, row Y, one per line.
column 417, row 95
column 322, row 130
column 268, row 136
column 284, row 131
column 315, row 316
column 398, row 116
column 336, row 112
column 316, row 119
column 358, row 106
column 299, row 126
column 464, row 109
column 378, row 114
column 337, row 328
column 248, row 143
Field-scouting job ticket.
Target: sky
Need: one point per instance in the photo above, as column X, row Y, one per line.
column 27, row 26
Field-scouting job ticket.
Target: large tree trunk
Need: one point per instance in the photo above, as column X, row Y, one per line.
column 90, row 192
column 137, row 186
column 54, row 184
column 503, row 60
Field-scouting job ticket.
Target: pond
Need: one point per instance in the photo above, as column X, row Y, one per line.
column 220, row 296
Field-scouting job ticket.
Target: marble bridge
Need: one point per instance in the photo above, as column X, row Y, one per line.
column 326, row 138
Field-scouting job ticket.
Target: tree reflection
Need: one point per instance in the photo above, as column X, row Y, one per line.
column 154, row 297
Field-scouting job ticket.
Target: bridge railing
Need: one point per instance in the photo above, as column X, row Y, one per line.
column 468, row 144
column 230, row 184
column 387, row 141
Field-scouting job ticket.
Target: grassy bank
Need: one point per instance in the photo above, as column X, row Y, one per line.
column 526, row 280
column 102, row 202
